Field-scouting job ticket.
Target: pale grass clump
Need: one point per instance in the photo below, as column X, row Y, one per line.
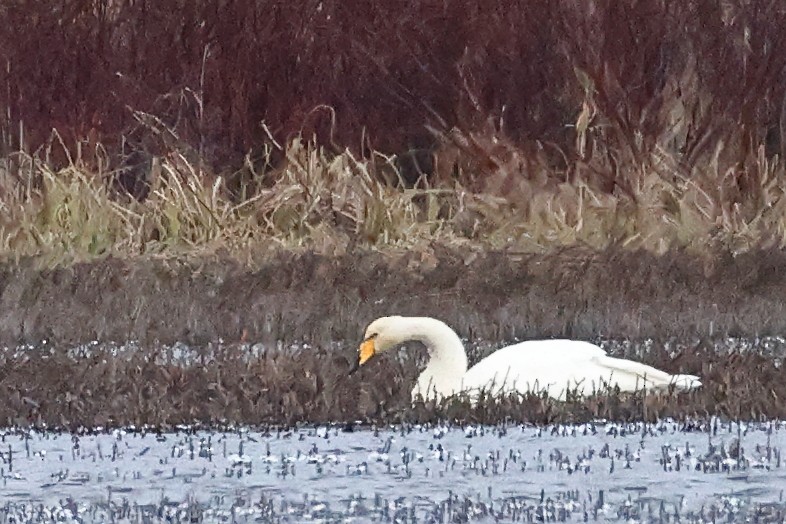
column 656, row 204
column 316, row 195
column 65, row 215
column 329, row 202
column 317, row 201
column 696, row 212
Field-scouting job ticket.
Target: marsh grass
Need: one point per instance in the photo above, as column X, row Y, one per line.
column 328, row 202
column 315, row 200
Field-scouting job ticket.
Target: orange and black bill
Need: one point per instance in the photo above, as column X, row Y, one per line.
column 365, row 352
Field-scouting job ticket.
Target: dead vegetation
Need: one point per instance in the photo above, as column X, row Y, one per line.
column 652, row 124
column 310, row 297
column 329, row 203
column 227, row 386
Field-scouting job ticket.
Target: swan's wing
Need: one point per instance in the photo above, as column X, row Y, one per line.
column 547, row 351
column 631, row 375
column 652, row 375
column 631, row 367
column 534, row 365
column 556, row 365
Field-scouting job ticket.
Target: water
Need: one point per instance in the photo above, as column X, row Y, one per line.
column 597, row 472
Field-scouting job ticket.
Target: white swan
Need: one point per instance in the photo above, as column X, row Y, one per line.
column 533, row 366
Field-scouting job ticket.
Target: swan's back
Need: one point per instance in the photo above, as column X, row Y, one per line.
column 554, row 365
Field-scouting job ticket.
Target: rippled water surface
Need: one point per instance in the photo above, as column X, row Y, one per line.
column 596, row 472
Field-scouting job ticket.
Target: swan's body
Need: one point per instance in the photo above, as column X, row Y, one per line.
column 553, row 366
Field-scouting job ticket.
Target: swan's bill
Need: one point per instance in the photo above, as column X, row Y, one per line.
column 367, row 350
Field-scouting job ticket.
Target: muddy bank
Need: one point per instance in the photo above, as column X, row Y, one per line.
column 306, row 296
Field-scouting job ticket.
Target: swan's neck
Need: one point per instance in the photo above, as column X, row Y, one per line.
column 448, row 361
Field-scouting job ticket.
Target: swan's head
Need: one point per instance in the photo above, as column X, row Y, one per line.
column 381, row 335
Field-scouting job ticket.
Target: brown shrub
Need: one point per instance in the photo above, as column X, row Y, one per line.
column 371, row 75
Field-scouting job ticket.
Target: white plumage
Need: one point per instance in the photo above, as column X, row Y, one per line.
column 553, row 366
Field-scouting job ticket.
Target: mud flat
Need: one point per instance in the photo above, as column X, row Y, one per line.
column 596, row 471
